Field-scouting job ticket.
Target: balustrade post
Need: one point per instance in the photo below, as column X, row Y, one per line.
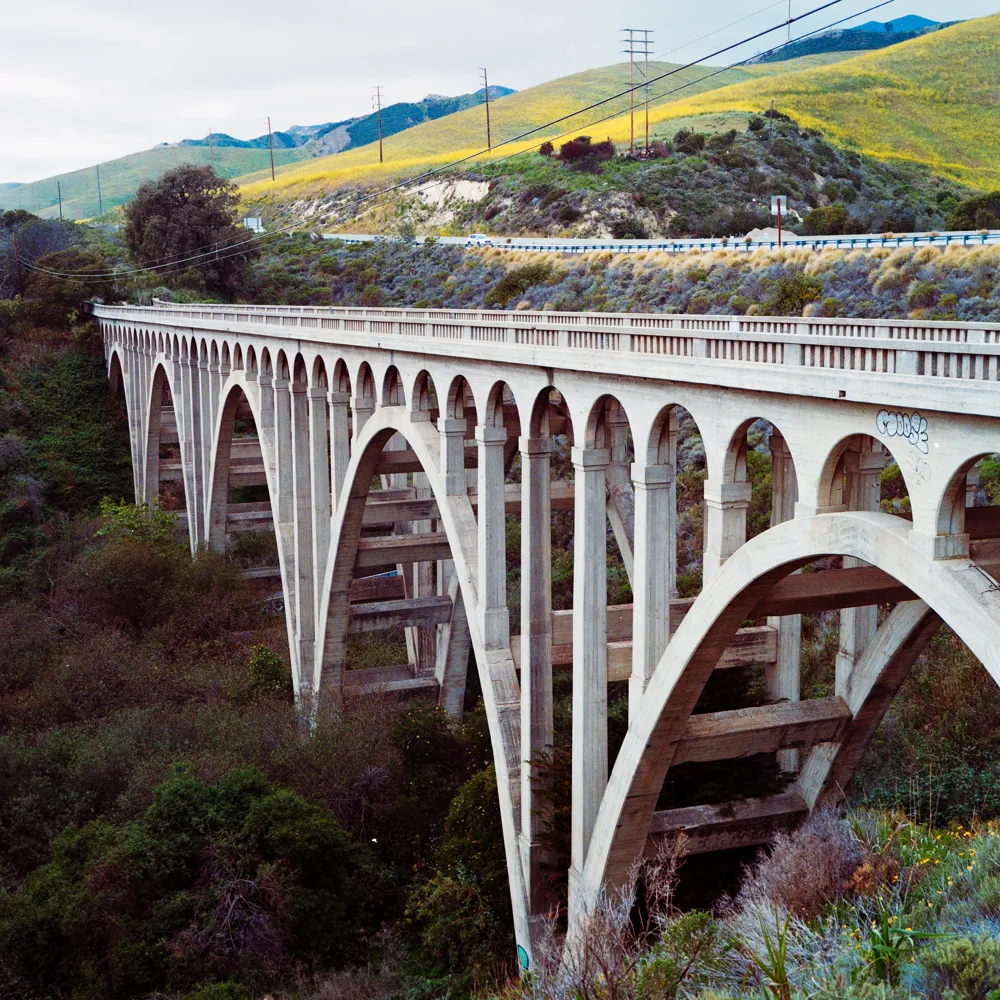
column 536, row 664
column 782, row 678
column 655, row 575
column 493, row 614
column 590, row 655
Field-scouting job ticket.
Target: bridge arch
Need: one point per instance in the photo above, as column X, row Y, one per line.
column 458, row 523
column 951, row 590
column 164, row 434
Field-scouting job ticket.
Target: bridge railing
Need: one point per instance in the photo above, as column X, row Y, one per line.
column 905, row 347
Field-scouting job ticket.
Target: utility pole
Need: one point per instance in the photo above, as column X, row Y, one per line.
column 378, row 109
column 789, row 21
column 486, row 90
column 59, row 189
column 635, row 48
column 770, row 118
column 270, row 146
column 631, row 93
column 17, row 264
column 100, row 200
column 211, row 148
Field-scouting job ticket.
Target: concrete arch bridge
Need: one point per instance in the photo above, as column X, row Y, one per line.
column 389, row 448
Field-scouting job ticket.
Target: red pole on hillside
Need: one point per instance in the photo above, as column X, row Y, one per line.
column 779, row 222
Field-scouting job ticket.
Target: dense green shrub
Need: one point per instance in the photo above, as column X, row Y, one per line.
column 831, row 220
column 462, row 913
column 267, row 672
column 63, row 282
column 980, row 212
column 963, row 967
column 516, row 282
column 238, row 879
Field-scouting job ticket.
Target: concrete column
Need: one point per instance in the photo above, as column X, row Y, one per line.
column 655, row 574
column 452, row 433
column 205, row 437
column 283, row 447
column 363, row 409
column 536, row 662
column 265, row 431
column 590, row 655
column 319, row 478
column 725, row 522
column 188, row 430
column 863, row 464
column 493, row 615
column 782, row 678
column 621, row 499
column 340, row 442
column 302, row 530
column 971, row 485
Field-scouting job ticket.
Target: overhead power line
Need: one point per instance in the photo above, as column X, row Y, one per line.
column 225, row 251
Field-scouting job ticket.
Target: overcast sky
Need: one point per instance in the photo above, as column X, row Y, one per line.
column 84, row 82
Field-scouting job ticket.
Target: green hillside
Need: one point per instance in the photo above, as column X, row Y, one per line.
column 465, row 132
column 120, row 178
column 931, row 101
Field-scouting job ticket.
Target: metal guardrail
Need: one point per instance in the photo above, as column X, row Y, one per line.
column 968, row 351
column 856, row 242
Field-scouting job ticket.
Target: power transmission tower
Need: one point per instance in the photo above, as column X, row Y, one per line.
column 270, row 146
column 637, row 50
column 59, row 189
column 100, row 200
column 486, row 91
column 378, row 108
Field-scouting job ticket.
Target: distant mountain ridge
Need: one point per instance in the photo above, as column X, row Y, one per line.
column 231, row 157
column 334, row 137
column 862, row 38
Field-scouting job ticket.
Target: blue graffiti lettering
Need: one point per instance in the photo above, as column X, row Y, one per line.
column 910, row 426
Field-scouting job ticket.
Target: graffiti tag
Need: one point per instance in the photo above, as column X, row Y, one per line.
column 922, row 470
column 910, row 426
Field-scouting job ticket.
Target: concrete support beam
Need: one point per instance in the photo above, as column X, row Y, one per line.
column 864, row 461
column 493, row 615
column 303, row 445
column 725, row 523
column 782, row 678
column 590, row 660
column 452, row 433
column 536, row 667
column 655, row 573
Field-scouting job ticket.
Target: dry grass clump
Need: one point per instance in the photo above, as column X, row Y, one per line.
column 804, row 870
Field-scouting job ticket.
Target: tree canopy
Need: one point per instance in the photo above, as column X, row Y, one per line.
column 186, row 225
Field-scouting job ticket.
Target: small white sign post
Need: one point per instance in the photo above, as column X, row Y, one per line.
column 779, row 206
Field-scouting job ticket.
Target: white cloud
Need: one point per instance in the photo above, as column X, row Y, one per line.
column 83, row 82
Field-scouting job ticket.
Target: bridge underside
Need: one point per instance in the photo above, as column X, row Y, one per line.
column 412, row 508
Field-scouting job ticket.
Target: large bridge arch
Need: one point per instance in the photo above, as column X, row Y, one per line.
column 496, row 666
column 954, row 591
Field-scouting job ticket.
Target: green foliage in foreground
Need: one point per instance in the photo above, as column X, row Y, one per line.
column 239, row 878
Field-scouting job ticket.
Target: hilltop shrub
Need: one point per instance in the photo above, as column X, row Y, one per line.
column 516, row 282
column 980, row 212
column 833, row 220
